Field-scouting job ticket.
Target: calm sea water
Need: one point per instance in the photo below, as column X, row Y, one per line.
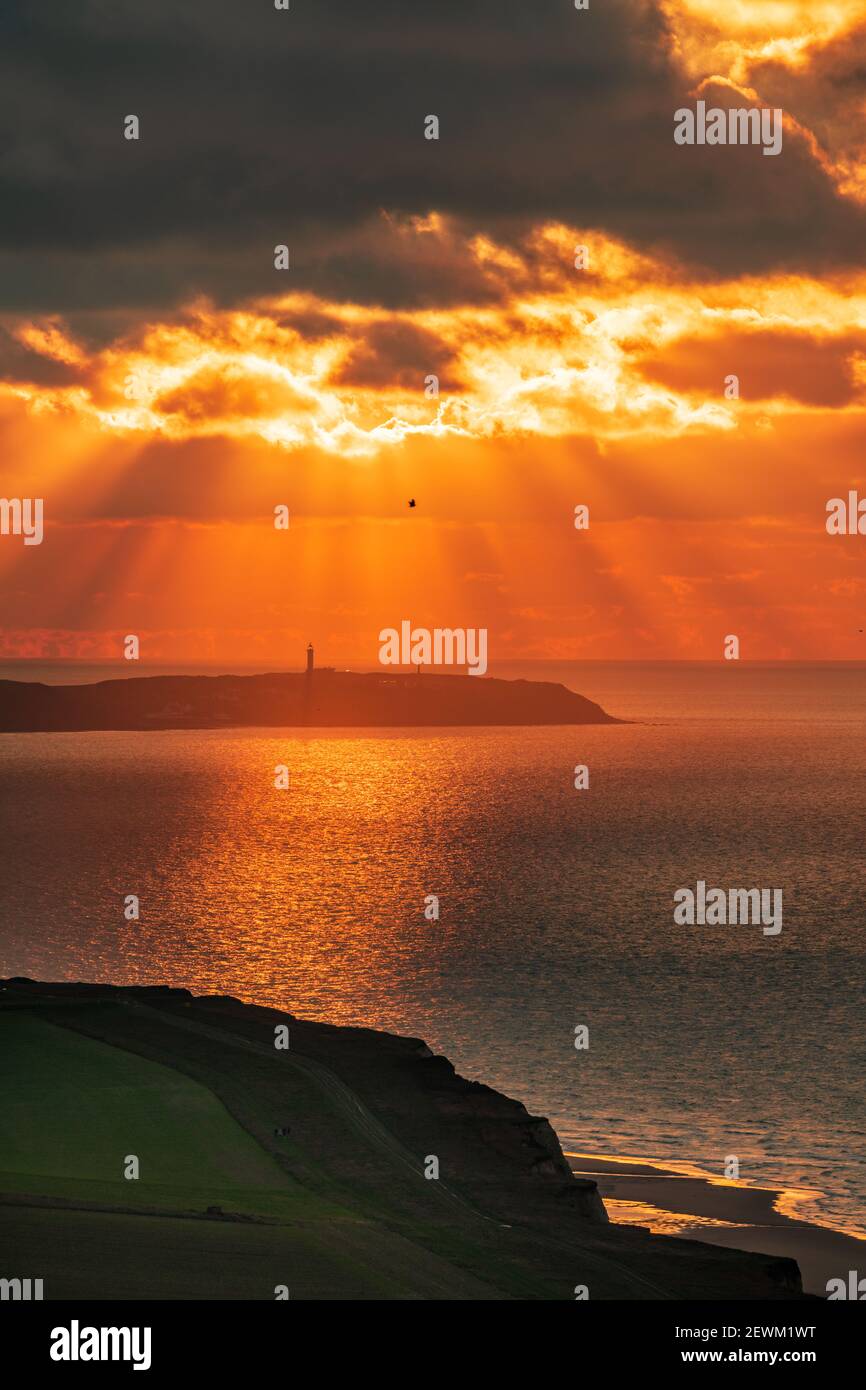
column 556, row 904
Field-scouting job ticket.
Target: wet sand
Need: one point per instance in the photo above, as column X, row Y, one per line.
column 695, row 1206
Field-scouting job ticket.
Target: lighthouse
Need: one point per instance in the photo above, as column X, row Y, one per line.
column 309, row 658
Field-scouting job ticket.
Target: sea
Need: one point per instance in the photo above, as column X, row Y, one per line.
column 555, row 904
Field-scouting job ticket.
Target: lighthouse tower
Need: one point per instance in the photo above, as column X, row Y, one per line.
column 309, row 658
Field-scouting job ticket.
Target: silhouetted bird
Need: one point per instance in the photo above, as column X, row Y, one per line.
column 411, row 501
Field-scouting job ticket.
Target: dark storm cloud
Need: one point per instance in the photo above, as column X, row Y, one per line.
column 261, row 126
column 398, row 354
column 818, row 372
column 828, row 90
column 20, row 363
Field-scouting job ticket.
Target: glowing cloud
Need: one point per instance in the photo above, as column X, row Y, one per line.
column 558, row 353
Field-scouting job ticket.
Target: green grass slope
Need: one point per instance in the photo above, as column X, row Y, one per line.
column 72, row 1109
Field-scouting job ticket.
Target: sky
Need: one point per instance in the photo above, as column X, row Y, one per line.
column 164, row 386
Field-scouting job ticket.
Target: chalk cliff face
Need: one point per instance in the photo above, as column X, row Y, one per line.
column 512, row 1143
column 483, row 1139
column 323, row 699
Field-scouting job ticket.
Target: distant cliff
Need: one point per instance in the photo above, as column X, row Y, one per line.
column 326, row 699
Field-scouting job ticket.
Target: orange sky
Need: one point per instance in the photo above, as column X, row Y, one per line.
column 162, row 449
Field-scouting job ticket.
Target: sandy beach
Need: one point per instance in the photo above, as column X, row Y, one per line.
column 696, row 1206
